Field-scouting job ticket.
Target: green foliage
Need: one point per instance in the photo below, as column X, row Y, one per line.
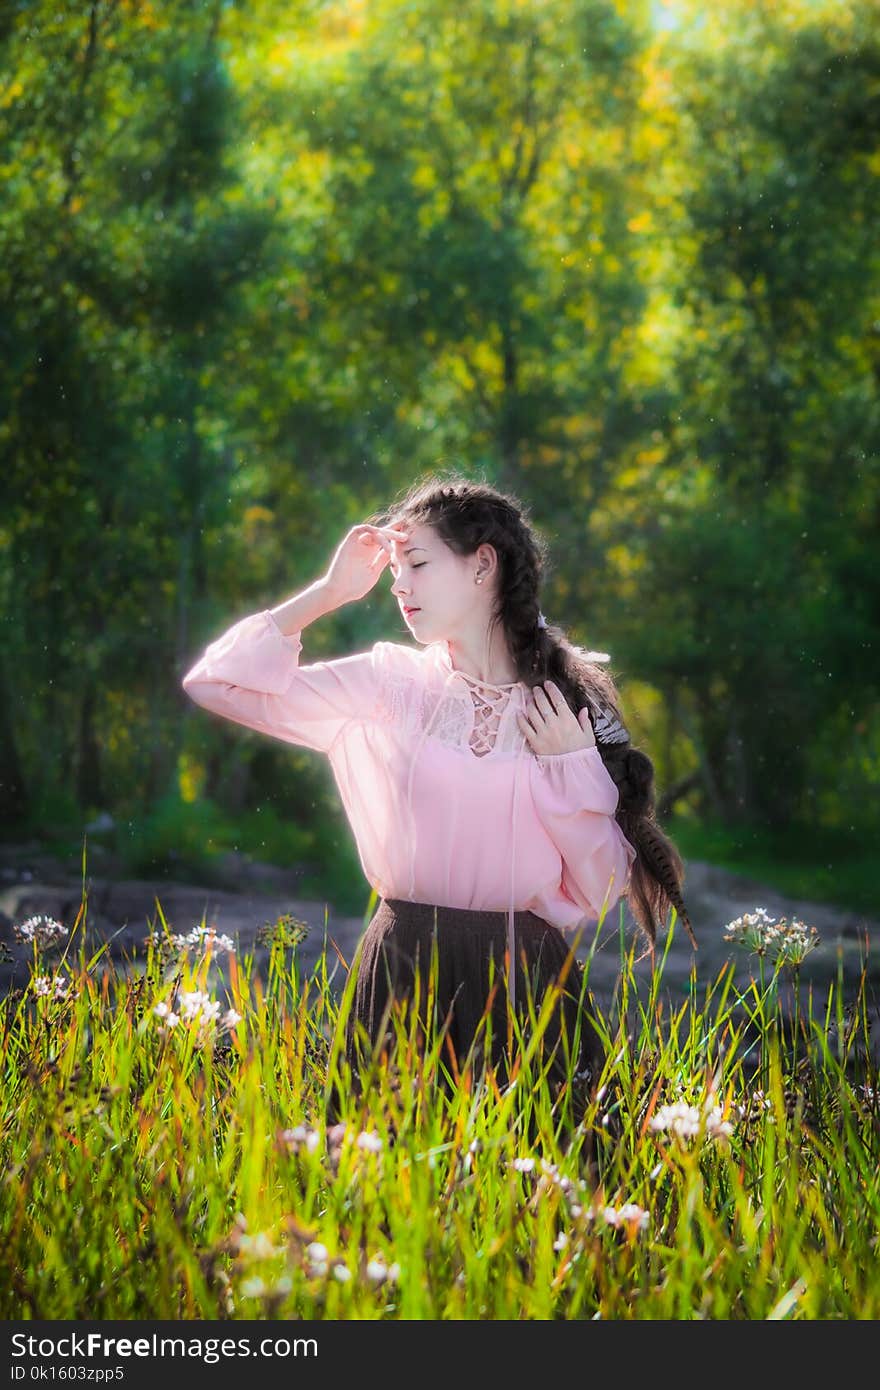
column 261, row 266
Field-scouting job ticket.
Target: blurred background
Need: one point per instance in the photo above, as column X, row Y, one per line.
column 262, row 266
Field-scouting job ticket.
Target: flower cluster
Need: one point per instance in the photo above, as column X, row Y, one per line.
column 550, row 1176
column 255, row 1287
column 318, row 1264
column 259, row 1246
column 198, row 1011
column 755, row 1104
column 300, row 1137
column 786, row 942
column 369, row 1141
column 206, row 938
column 40, row 931
column 630, row 1217
column 378, row 1272
column 59, row 987
column 345, row 1138
column 687, row 1121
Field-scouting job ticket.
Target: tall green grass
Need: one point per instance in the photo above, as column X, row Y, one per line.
column 160, row 1174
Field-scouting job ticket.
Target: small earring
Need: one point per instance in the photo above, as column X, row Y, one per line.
column 479, row 580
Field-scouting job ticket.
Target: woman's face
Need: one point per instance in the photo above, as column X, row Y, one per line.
column 440, row 585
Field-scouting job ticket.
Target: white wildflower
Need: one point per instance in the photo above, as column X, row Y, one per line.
column 252, row 1287
column 561, row 1241
column 258, row 1246
column 300, row 1136
column 342, row 1273
column 60, row 987
column 524, row 1165
column 680, row 1119
column 631, row 1211
column 788, row 943
column 169, row 1018
column 196, row 1004
column 756, row 1101
column 196, row 1009
column 206, row 938
column 317, row 1252
column 369, row 1141
column 686, row 1121
column 230, row 1019
column 630, row 1214
column 40, row 931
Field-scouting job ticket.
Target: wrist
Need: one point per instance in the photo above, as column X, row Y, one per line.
column 332, row 593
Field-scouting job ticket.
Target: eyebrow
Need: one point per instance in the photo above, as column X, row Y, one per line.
column 414, row 547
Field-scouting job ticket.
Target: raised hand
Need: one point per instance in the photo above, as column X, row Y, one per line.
column 359, row 560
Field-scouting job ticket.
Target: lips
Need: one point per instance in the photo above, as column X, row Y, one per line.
column 407, row 612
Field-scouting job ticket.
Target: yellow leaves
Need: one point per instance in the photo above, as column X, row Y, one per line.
column 313, row 163
column 342, row 22
column 256, row 514
column 282, row 53
column 11, row 94
column 424, row 178
column 75, row 204
column 646, row 458
column 625, row 561
column 644, row 222
column 190, row 778
column 485, row 357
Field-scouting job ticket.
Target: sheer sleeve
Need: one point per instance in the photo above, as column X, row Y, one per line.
column 251, row 674
column 575, row 798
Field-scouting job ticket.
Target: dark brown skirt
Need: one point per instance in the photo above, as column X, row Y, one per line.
column 396, row 950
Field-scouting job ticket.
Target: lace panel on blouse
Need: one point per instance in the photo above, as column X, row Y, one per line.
column 470, row 717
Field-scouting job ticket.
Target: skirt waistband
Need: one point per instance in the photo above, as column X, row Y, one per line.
column 460, row 918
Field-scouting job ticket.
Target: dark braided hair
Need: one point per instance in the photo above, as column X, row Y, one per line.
column 467, row 514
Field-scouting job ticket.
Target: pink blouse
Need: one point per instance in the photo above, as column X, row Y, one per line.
column 446, row 800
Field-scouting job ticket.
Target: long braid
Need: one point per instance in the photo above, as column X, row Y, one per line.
column 468, row 514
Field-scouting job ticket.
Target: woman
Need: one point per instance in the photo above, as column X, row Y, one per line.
column 489, row 782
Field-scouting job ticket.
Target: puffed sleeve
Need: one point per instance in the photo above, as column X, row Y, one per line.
column 575, row 798
column 251, row 674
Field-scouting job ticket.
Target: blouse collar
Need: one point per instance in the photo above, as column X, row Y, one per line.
column 446, row 663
